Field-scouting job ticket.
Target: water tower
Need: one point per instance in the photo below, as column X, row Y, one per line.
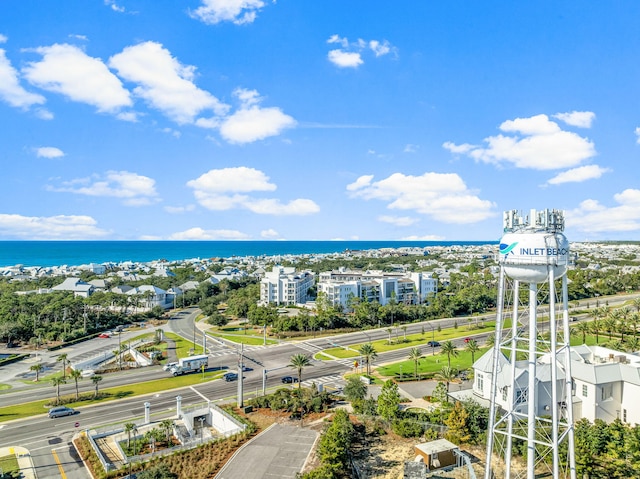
column 531, row 385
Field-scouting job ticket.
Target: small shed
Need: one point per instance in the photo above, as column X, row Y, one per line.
column 437, row 454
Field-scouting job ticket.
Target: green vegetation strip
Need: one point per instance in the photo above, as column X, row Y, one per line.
column 184, row 348
column 242, row 338
column 20, row 411
column 412, row 340
column 430, row 364
column 8, row 464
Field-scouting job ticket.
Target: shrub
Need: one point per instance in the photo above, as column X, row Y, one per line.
column 406, row 428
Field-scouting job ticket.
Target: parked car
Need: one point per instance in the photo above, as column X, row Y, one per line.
column 433, row 344
column 61, row 411
column 289, row 380
column 230, row 377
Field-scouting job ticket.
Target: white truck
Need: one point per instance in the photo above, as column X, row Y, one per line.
column 190, row 364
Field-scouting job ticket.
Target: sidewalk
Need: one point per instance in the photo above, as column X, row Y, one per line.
column 25, row 463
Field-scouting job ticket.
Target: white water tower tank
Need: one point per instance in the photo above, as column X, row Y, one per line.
column 531, row 245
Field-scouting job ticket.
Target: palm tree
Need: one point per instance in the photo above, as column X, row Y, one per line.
column 473, row 348
column 76, row 375
column 57, row 381
column 449, row 349
column 446, row 374
column 415, row 355
column 596, row 327
column 95, row 380
column 37, row 368
column 632, row 344
column 389, row 330
column 167, row 427
column 404, row 330
column 610, row 322
column 63, row 359
column 634, row 320
column 128, row 428
column 623, row 319
column 583, row 328
column 299, row 362
column 491, row 340
column 368, row 353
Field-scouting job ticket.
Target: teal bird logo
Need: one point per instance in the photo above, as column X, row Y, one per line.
column 505, row 249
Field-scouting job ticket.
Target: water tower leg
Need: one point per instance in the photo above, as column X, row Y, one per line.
column 494, row 383
column 512, row 390
column 531, row 396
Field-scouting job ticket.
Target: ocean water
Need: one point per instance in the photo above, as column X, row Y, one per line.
column 74, row 253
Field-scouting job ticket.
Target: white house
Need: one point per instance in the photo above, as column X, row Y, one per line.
column 606, row 383
column 75, row 285
column 151, row 296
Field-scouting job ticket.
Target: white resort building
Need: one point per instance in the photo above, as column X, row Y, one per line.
column 409, row 288
column 285, row 286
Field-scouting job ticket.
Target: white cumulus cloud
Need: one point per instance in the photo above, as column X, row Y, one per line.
column 535, row 142
column 227, row 188
column 350, row 53
column 581, row 119
column 50, row 227
column 593, row 217
column 49, row 152
column 67, row 70
column 10, row 89
column 269, row 234
column 344, row 59
column 578, row 175
column 131, row 188
column 164, row 83
column 251, row 122
column 237, row 11
column 398, row 220
column 443, row 197
column 202, row 234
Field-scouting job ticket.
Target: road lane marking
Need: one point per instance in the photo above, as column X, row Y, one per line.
column 55, row 457
column 199, row 393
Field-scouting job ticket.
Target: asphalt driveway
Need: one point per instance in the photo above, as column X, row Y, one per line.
column 279, row 452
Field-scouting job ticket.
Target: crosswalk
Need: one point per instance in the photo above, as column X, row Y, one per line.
column 334, row 381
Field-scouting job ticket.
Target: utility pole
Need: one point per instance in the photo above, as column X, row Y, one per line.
column 240, row 376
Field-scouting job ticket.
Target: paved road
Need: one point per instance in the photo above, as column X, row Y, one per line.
column 279, row 452
column 49, row 440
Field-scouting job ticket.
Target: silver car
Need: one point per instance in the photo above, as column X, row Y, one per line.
column 61, row 411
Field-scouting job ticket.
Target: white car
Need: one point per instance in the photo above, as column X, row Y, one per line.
column 168, row 366
column 88, row 373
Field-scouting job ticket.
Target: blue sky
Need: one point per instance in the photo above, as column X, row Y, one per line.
column 317, row 119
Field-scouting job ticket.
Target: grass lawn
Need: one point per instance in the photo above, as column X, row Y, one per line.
column 184, row 348
column 253, row 340
column 4, row 387
column 39, row 407
column 430, row 364
column 9, row 464
column 413, row 340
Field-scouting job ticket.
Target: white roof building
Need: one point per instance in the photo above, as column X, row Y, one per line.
column 606, row 383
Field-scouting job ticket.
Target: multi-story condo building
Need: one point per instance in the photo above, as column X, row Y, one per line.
column 410, row 288
column 285, row 286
